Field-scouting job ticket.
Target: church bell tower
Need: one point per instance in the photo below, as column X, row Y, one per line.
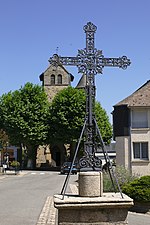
column 55, row 79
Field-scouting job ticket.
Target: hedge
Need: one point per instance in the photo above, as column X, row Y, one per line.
column 139, row 189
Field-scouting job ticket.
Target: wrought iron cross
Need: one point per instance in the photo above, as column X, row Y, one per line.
column 90, row 61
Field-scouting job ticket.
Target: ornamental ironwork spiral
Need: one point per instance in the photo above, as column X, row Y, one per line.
column 90, row 161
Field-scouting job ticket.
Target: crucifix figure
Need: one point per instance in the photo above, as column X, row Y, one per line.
column 90, row 62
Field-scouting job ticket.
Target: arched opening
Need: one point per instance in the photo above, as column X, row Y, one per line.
column 59, row 79
column 58, row 154
column 52, row 79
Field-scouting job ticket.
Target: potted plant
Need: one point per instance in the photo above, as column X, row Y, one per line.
column 16, row 165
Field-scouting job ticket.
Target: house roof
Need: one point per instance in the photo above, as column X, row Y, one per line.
column 141, row 97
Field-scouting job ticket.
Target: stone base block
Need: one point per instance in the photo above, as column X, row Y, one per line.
column 90, row 184
column 110, row 209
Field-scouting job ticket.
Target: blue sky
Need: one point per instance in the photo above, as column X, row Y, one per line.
column 31, row 31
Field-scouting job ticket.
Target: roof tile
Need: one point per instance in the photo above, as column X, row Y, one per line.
column 141, row 97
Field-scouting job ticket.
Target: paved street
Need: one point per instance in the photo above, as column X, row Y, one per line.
column 26, row 199
column 138, row 219
column 23, row 197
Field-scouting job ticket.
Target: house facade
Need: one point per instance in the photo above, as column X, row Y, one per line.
column 131, row 128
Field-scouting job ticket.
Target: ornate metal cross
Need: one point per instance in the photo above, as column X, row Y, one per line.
column 90, row 61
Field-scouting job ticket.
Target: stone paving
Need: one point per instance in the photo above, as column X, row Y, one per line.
column 48, row 214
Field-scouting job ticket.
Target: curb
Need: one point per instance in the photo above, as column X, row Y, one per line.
column 7, row 174
column 48, row 214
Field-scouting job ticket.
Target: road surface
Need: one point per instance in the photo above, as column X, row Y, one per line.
column 24, row 197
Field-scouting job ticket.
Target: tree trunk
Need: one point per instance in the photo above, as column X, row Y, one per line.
column 32, row 153
column 72, row 150
column 34, row 157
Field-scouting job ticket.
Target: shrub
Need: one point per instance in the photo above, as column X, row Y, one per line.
column 123, row 176
column 139, row 189
column 15, row 164
column 107, row 183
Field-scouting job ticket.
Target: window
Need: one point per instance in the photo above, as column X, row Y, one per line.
column 139, row 119
column 52, row 79
column 140, row 150
column 59, row 79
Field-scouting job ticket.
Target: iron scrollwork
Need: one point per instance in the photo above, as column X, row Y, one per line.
column 90, row 161
column 121, row 62
column 90, row 61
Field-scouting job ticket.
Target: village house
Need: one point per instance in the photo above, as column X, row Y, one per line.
column 131, row 127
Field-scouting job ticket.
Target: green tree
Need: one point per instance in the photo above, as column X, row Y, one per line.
column 68, row 113
column 103, row 123
column 24, row 116
column 3, row 138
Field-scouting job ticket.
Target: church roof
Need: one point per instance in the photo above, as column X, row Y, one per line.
column 82, row 82
column 141, row 97
column 42, row 74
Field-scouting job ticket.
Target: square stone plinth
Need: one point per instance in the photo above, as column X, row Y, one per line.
column 110, row 209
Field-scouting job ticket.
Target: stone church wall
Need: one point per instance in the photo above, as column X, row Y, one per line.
column 52, row 91
column 53, row 156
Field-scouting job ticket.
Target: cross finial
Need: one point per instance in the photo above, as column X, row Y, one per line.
column 90, row 27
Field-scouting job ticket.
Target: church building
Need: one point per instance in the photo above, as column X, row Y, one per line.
column 54, row 79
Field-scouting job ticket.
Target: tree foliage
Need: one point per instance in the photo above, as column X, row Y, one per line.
column 68, row 114
column 24, row 114
column 3, row 138
column 103, row 123
column 28, row 118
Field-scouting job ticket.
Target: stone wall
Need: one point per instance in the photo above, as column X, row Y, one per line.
column 53, row 89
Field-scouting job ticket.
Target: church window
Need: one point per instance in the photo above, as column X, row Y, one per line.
column 59, row 79
column 52, row 79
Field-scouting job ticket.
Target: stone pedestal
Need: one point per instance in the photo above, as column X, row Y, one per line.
column 110, row 209
column 92, row 206
column 90, row 184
